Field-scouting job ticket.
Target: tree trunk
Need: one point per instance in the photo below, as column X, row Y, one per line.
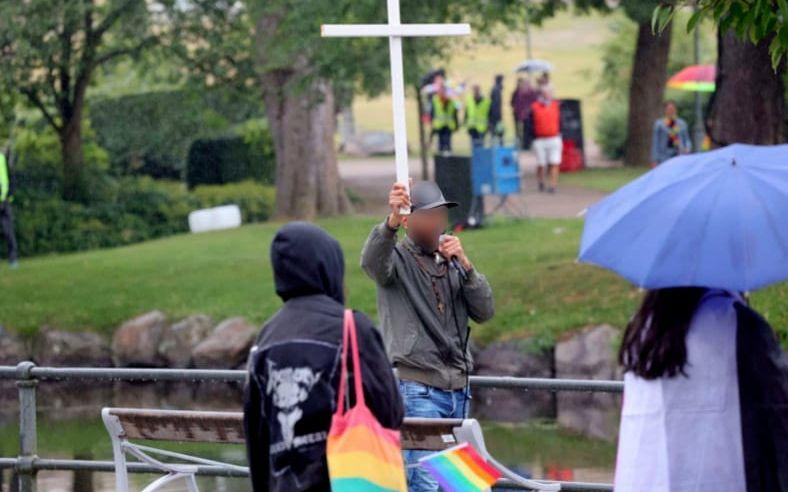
column 649, row 75
column 302, row 120
column 302, row 125
column 424, row 146
column 73, row 158
column 749, row 104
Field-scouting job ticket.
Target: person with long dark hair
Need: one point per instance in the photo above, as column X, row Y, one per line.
column 705, row 396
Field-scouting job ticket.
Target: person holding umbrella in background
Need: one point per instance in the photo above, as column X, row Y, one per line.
column 706, row 383
column 522, row 98
column 525, row 94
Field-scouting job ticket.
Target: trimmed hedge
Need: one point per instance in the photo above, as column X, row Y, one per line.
column 232, row 159
column 157, row 127
column 133, row 209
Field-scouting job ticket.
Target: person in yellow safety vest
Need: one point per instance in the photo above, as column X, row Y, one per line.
column 6, row 216
column 477, row 113
column 444, row 119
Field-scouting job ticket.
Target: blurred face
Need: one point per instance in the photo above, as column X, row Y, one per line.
column 547, row 92
column 670, row 110
column 477, row 92
column 425, row 226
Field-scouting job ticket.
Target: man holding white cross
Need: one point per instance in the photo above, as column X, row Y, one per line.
column 428, row 289
column 427, row 286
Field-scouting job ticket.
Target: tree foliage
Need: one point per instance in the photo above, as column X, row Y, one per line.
column 50, row 49
column 157, row 127
column 215, row 40
column 753, row 20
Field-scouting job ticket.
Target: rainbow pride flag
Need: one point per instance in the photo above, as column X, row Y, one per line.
column 461, row 469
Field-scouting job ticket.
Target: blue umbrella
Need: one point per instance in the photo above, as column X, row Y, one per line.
column 715, row 219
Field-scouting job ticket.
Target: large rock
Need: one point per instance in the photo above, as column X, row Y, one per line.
column 136, row 342
column 12, row 349
column 590, row 354
column 227, row 346
column 65, row 348
column 519, row 358
column 179, row 340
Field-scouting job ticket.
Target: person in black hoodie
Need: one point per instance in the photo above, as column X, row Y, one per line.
column 289, row 396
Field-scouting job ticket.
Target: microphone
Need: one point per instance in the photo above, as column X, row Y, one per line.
column 454, row 261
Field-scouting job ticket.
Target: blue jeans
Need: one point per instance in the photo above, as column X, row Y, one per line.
column 425, row 401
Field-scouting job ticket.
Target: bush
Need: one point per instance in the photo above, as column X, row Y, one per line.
column 39, row 162
column 611, row 128
column 157, row 127
column 232, row 159
column 136, row 209
column 256, row 201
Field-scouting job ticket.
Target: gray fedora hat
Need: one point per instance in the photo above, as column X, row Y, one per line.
column 426, row 195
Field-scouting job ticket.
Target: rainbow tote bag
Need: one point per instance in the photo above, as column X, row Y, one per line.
column 362, row 454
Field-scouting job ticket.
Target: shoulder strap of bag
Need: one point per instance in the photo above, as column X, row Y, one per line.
column 349, row 339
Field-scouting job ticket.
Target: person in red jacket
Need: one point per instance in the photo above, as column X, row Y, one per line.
column 546, row 127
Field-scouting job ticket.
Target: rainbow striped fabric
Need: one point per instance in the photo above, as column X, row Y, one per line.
column 461, row 469
column 362, row 455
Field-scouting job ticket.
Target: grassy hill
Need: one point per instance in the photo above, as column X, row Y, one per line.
column 540, row 291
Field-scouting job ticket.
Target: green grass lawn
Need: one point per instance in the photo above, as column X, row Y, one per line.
column 540, row 291
column 603, row 179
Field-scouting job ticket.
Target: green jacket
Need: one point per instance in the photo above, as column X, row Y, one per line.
column 477, row 114
column 424, row 345
column 5, row 183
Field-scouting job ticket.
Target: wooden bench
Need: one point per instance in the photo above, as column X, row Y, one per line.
column 133, row 424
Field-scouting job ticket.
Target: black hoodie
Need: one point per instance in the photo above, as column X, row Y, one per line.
column 290, row 394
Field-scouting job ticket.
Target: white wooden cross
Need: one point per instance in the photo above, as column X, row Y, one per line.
column 395, row 32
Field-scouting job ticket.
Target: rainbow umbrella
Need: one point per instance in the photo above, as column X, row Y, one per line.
column 698, row 78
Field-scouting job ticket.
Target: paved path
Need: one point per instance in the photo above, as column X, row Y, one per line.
column 370, row 179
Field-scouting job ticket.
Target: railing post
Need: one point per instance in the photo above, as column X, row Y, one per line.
column 28, row 437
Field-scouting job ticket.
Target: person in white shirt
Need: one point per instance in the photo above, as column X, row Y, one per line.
column 705, row 397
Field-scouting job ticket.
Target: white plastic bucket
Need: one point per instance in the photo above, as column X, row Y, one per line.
column 214, row 219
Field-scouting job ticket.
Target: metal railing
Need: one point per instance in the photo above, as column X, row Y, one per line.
column 27, row 375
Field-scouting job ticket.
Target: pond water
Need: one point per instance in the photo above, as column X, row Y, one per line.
column 525, row 430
